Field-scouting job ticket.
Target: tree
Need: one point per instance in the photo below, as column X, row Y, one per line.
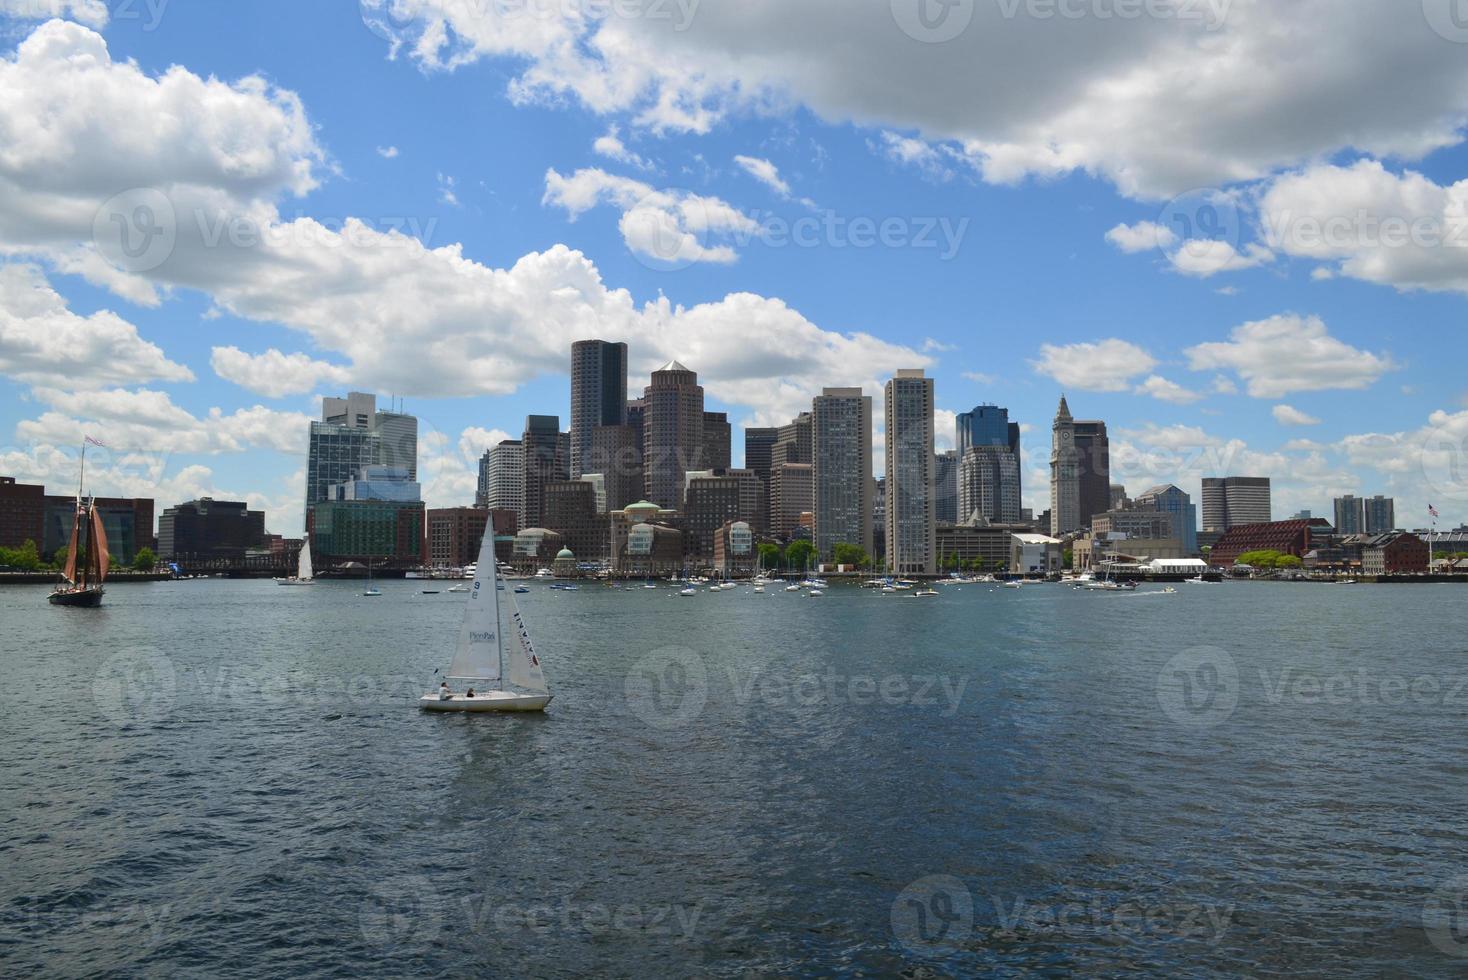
column 850, row 554
column 144, row 560
column 1068, row 561
column 1289, row 561
column 26, row 558
column 799, row 553
column 769, row 555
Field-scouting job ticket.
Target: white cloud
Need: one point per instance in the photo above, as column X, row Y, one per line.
column 446, row 194
column 915, row 153
column 43, row 342
column 387, row 152
column 978, row 377
column 765, row 172
column 1398, row 230
column 1107, row 365
column 1265, row 86
column 1289, row 415
column 610, row 145
column 1168, row 391
column 1285, row 354
column 945, row 429
column 671, row 226
column 1208, row 257
column 93, row 13
column 275, row 374
column 1141, row 237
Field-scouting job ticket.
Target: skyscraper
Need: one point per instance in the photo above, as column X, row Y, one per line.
column 758, row 445
column 353, row 434
column 793, row 443
column 1080, row 471
column 841, row 450
column 718, row 441
column 911, row 526
column 988, row 485
column 945, row 487
column 616, row 453
column 791, row 494
column 502, row 479
column 545, row 462
column 989, row 425
column 1350, row 515
column 397, row 440
column 672, row 433
column 1381, row 514
column 1234, row 501
column 1175, row 501
column 598, row 393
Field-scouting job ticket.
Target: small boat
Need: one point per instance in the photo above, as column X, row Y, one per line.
column 304, row 574
column 83, row 585
column 1014, row 583
column 759, row 590
column 925, row 593
column 792, row 588
column 815, row 593
column 459, row 588
column 1200, row 580
column 480, row 658
column 690, row 590
column 519, row 589
column 648, row 585
column 372, row 590
column 431, row 591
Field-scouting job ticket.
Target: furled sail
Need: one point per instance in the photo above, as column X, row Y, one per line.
column 97, row 546
column 69, row 572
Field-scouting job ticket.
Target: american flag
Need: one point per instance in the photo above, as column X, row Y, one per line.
column 1432, row 510
column 95, row 442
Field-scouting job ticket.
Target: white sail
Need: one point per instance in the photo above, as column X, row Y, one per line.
column 479, row 655
column 304, row 571
column 523, row 669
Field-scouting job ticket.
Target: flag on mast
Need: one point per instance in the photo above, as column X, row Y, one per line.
column 1432, row 510
column 95, row 442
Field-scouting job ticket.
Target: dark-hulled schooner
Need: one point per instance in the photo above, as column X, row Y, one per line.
column 82, row 581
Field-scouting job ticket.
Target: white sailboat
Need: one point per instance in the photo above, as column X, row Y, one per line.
column 304, row 574
column 501, row 680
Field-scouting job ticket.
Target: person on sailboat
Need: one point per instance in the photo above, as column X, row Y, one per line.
column 444, row 693
column 470, row 694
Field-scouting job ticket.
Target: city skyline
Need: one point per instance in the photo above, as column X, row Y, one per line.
column 1248, row 352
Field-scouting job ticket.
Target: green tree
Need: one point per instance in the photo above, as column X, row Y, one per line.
column 769, row 555
column 26, row 558
column 799, row 553
column 1068, row 561
column 851, row 554
column 144, row 560
column 1264, row 558
column 1289, row 561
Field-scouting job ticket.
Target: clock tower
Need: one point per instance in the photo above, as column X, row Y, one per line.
column 1065, row 482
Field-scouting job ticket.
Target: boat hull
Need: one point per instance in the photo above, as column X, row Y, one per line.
column 80, row 598
column 487, row 701
column 295, row 581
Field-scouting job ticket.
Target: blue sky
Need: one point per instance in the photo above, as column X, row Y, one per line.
column 1032, row 188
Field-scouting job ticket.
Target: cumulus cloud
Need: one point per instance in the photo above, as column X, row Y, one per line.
column 1288, row 353
column 1265, row 88
column 1402, row 230
column 1141, row 237
column 93, row 13
column 1107, row 365
column 1168, row 391
column 611, row 146
column 42, row 342
column 671, row 226
column 1289, row 415
column 1205, row 257
column 387, row 152
column 274, row 374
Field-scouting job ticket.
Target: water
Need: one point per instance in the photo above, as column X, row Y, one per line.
column 231, row 778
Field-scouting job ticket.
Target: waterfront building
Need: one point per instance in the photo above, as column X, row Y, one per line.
column 970, row 541
column 987, row 425
column 454, row 534
column 734, row 552
column 535, row 548
column 1394, row 553
column 910, row 524
column 396, row 442
column 841, row 450
column 1234, row 501
column 1080, row 471
column 792, row 492
column 1035, row 554
column 206, row 529
column 1287, row 537
column 718, row 437
column 645, row 540
column 1350, row 515
column 1089, row 551
column 598, row 483
column 616, row 453
column 988, row 485
column 1137, row 523
column 1175, row 501
column 672, row 434
column 22, row 513
column 1381, row 514
column 377, row 482
column 879, row 522
column 945, row 487
column 545, row 461
column 712, row 502
column 127, row 522
column 336, row 454
column 570, row 509
column 502, row 479
column 366, row 530
column 598, row 396
column 754, row 501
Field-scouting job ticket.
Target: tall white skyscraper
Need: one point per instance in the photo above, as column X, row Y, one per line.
column 841, row 470
column 502, row 475
column 911, row 523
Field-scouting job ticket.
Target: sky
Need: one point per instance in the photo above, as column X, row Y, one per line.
column 1235, row 230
